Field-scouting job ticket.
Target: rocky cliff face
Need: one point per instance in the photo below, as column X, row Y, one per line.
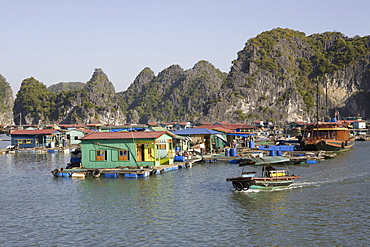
column 277, row 74
column 95, row 103
column 175, row 94
column 6, row 102
column 281, row 76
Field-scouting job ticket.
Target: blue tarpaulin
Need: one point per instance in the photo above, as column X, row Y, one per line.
column 126, row 129
column 239, row 134
column 277, row 148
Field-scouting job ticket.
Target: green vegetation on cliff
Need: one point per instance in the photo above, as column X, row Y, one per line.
column 6, row 102
column 65, row 86
column 33, row 100
column 94, row 102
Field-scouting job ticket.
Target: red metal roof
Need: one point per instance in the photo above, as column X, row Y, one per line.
column 126, row 135
column 183, row 123
column 72, row 125
column 34, row 132
column 238, row 126
column 153, row 124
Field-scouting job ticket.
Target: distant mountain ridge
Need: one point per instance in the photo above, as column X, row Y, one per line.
column 275, row 77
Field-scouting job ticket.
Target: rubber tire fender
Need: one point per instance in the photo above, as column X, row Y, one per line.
column 55, row 172
column 96, row 173
column 246, row 187
column 238, row 186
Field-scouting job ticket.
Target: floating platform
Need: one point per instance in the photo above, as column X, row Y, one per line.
column 38, row 150
column 118, row 172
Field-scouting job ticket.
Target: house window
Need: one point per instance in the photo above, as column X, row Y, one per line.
column 28, row 141
column 101, row 155
column 150, row 153
column 161, row 146
column 76, row 138
column 123, row 155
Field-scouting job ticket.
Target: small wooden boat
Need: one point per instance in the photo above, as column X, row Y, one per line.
column 271, row 178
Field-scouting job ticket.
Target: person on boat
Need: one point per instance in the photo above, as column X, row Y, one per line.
column 234, row 143
column 268, row 170
column 202, row 147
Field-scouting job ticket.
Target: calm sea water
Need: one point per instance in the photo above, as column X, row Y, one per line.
column 329, row 206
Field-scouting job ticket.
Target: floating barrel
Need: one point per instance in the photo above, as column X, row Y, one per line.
column 177, row 149
column 75, row 160
column 232, row 151
column 111, row 175
column 179, row 159
column 227, row 151
column 279, row 153
column 311, row 161
column 272, row 153
column 251, row 144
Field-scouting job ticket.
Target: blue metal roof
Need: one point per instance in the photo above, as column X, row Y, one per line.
column 196, row 131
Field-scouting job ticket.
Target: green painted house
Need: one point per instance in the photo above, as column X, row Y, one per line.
column 121, row 149
column 73, row 136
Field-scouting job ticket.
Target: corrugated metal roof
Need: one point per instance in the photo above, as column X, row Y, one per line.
column 34, row 132
column 214, row 127
column 126, row 135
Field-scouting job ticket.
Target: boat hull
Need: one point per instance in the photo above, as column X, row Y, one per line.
column 265, row 183
column 330, row 145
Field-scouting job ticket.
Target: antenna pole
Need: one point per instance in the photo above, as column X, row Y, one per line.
column 317, row 100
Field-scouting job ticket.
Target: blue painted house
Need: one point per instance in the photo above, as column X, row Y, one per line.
column 35, row 138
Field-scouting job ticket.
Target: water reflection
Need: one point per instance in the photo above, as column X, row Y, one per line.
column 329, row 206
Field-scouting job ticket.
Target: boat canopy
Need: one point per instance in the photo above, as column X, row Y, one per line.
column 264, row 161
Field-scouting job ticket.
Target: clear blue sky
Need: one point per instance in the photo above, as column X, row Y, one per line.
column 65, row 40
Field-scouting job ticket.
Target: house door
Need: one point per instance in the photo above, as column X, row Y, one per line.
column 139, row 152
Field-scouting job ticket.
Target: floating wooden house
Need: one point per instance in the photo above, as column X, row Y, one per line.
column 73, row 136
column 125, row 149
column 35, row 138
column 199, row 135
